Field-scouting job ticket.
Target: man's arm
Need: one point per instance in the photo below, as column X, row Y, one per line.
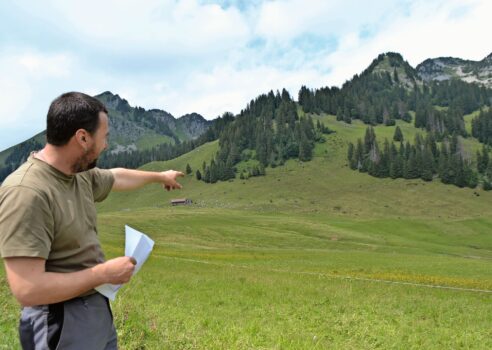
column 32, row 285
column 129, row 179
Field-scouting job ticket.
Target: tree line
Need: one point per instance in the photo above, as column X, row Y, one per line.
column 425, row 159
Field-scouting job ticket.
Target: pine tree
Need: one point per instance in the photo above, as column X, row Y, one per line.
column 359, row 154
column 339, row 114
column 483, row 160
column 213, row 177
column 427, row 165
column 460, row 179
column 188, row 169
column 350, row 152
column 198, row 175
column 206, row 177
column 384, row 163
column 412, row 170
column 398, row 136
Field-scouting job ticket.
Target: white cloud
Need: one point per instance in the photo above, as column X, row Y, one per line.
column 45, row 66
column 154, row 26
column 16, row 95
column 29, row 80
column 430, row 30
column 285, row 20
column 21, row 73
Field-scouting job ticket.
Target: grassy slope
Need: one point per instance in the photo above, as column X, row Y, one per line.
column 282, row 261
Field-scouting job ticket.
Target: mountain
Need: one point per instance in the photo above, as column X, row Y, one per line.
column 445, row 68
column 134, row 128
column 131, row 129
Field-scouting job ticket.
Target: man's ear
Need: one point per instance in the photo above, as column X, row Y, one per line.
column 81, row 137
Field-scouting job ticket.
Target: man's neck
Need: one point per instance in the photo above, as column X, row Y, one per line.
column 58, row 157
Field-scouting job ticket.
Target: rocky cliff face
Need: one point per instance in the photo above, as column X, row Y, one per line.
column 444, row 68
column 192, row 125
column 134, row 128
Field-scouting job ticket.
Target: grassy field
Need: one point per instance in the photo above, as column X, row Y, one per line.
column 235, row 279
column 311, row 256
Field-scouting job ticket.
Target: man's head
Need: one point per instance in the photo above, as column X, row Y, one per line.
column 78, row 121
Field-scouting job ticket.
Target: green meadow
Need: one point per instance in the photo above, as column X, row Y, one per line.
column 311, row 256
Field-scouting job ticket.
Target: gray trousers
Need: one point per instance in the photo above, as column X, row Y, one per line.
column 76, row 324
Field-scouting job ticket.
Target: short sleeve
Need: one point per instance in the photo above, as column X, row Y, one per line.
column 102, row 181
column 26, row 223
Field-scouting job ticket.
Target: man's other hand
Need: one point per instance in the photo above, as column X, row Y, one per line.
column 118, row 270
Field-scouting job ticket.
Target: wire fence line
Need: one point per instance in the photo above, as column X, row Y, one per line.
column 334, row 276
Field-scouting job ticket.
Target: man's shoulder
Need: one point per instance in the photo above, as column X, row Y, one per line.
column 95, row 174
column 18, row 176
column 27, row 176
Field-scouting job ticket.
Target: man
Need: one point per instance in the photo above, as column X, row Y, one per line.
column 48, row 234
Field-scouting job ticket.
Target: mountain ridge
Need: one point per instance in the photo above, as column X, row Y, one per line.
column 445, row 68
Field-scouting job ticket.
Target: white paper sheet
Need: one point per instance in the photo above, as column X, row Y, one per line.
column 137, row 245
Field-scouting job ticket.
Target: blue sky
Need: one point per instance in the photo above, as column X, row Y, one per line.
column 211, row 56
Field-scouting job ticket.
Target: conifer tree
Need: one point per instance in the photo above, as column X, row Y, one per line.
column 398, row 136
column 350, row 152
column 427, row 165
column 206, row 177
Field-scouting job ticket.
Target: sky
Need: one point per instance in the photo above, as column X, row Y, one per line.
column 210, row 57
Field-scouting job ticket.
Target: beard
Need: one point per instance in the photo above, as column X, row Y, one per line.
column 85, row 162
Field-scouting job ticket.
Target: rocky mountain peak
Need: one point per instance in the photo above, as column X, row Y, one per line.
column 113, row 101
column 393, row 63
column 192, row 117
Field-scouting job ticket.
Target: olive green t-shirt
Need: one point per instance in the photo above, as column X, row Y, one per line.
column 47, row 214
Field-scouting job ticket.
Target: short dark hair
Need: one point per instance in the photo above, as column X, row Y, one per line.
column 70, row 112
